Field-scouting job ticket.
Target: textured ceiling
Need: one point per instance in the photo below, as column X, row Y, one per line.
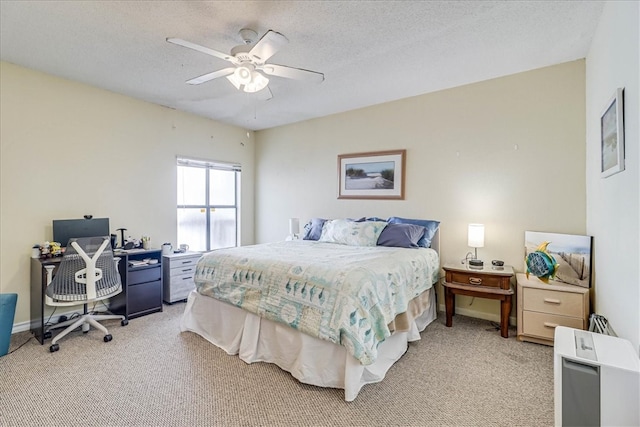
column 370, row 51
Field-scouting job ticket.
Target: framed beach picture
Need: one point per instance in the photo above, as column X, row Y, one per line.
column 571, row 252
column 375, row 175
column 612, row 135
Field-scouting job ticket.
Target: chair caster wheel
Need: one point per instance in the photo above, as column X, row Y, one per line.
column 124, row 322
column 54, row 348
column 108, row 338
column 47, row 335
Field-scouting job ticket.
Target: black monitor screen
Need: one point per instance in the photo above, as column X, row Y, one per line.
column 65, row 229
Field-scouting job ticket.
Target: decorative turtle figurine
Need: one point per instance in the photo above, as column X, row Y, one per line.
column 541, row 263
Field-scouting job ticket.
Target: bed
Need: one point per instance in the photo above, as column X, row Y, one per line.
column 331, row 314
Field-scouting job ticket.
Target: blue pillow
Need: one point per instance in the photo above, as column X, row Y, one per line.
column 313, row 229
column 430, row 225
column 401, row 235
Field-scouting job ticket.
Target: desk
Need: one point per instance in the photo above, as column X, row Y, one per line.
column 482, row 283
column 141, row 288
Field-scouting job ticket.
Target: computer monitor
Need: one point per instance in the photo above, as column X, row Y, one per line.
column 65, row 229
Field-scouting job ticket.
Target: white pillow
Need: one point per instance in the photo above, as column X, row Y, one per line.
column 351, row 233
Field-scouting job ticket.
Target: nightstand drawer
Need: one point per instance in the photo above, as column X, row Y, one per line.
column 181, row 287
column 184, row 261
column 553, row 302
column 183, row 270
column 471, row 278
column 544, row 325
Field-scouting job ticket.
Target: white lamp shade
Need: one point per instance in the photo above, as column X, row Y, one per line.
column 294, row 226
column 476, row 235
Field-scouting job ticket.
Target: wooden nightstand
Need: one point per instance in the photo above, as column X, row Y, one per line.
column 484, row 283
column 542, row 307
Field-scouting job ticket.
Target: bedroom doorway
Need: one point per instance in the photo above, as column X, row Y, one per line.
column 207, row 202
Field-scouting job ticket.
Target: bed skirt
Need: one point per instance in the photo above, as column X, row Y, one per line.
column 308, row 359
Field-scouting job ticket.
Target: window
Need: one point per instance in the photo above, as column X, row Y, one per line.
column 207, row 204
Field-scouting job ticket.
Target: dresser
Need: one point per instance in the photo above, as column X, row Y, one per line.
column 178, row 272
column 542, row 307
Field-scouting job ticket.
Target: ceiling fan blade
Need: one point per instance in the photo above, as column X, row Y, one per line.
column 210, row 76
column 268, row 45
column 203, row 49
column 292, row 73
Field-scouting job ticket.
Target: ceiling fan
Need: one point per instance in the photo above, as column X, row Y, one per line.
column 249, row 60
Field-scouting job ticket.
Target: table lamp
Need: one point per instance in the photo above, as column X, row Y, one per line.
column 294, row 228
column 475, row 241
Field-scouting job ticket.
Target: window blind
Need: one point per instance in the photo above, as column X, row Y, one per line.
column 198, row 163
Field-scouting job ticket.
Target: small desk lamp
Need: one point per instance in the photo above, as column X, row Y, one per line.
column 476, row 240
column 294, row 228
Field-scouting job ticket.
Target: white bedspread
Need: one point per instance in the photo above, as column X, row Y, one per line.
column 309, row 360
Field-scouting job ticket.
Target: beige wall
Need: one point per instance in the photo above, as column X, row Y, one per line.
column 68, row 149
column 509, row 153
column 613, row 212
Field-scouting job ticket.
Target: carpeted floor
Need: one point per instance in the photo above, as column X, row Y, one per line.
column 151, row 374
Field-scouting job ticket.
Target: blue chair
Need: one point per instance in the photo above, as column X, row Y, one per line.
column 7, row 313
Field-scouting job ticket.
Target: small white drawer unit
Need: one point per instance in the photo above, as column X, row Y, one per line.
column 178, row 270
column 543, row 307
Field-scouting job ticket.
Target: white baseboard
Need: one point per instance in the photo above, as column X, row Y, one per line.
column 478, row 314
column 26, row 325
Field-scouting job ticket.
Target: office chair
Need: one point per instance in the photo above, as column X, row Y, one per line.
column 88, row 273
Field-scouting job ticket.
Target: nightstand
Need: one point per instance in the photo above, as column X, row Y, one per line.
column 178, row 271
column 542, row 307
column 481, row 283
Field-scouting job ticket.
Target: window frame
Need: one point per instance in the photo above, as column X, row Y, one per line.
column 208, row 165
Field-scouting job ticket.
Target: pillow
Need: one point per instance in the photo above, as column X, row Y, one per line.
column 313, row 229
column 346, row 232
column 431, row 228
column 401, row 235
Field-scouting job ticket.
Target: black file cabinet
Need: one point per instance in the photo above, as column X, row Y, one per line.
column 141, row 272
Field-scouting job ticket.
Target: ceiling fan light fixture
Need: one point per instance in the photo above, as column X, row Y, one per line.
column 254, row 83
column 244, row 74
column 258, row 82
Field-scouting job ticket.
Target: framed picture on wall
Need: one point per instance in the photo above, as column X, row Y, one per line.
column 612, row 135
column 375, row 175
column 571, row 252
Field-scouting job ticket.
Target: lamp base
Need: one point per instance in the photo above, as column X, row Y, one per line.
column 476, row 263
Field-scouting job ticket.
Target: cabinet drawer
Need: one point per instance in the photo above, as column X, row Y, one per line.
column 544, row 325
column 144, row 275
column 145, row 297
column 184, row 262
column 188, row 270
column 553, row 302
column 180, row 288
column 478, row 279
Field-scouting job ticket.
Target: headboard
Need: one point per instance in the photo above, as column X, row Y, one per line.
column 435, row 242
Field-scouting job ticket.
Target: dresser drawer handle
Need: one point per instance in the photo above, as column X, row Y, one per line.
column 186, row 270
column 552, row 301
column 187, row 262
column 550, row 325
column 475, row 280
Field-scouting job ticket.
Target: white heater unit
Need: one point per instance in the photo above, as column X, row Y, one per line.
column 596, row 379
